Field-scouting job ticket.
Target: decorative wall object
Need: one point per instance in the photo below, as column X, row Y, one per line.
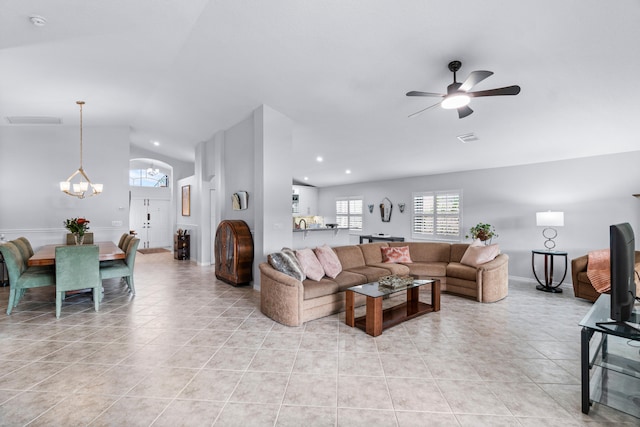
column 186, row 200
column 401, row 207
column 240, row 200
column 370, row 208
column 385, row 209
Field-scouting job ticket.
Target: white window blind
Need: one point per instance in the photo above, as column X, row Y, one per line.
column 349, row 212
column 437, row 215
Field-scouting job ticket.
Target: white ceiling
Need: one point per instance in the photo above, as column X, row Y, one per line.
column 179, row 71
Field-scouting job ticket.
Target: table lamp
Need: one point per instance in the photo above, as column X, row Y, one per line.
column 549, row 220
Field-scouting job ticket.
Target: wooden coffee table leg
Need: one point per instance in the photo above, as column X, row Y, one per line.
column 435, row 295
column 373, row 321
column 413, row 296
column 350, row 318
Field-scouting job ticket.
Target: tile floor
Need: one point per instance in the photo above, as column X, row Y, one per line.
column 188, row 350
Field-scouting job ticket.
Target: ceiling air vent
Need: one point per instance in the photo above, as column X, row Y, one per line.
column 34, row 120
column 468, row 137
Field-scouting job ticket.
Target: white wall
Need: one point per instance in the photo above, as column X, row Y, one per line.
column 593, row 192
column 34, row 159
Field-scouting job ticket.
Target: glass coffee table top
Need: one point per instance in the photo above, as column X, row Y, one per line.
column 375, row 290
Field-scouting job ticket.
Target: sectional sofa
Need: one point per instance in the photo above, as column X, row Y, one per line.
column 292, row 302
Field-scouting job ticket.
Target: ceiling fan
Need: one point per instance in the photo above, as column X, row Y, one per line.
column 458, row 95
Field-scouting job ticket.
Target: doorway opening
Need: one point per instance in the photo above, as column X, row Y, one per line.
column 150, row 201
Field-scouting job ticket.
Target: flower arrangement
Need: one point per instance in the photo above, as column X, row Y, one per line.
column 483, row 232
column 77, row 226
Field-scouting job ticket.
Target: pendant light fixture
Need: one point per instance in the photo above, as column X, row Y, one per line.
column 85, row 188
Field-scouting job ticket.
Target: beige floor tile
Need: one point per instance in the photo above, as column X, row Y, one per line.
column 242, row 415
column 363, row 393
column 188, row 413
column 311, row 390
column 309, row 416
column 187, row 345
column 27, row 406
column 349, row 417
column 261, row 387
column 131, row 411
column 73, row 411
column 414, row 394
column 211, row 384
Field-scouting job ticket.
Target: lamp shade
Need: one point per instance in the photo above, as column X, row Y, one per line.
column 550, row 219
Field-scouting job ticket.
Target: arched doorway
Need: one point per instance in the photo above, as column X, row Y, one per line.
column 150, row 202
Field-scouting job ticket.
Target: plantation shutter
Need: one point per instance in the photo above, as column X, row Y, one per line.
column 437, row 215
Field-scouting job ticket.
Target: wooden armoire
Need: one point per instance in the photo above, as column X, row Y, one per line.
column 234, row 252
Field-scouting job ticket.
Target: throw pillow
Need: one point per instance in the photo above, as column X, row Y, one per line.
column 283, row 263
column 329, row 261
column 310, row 264
column 396, row 254
column 478, row 255
column 290, row 253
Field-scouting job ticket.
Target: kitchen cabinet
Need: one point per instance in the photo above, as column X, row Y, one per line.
column 307, row 200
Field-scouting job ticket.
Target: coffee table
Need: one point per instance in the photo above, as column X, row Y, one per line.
column 376, row 319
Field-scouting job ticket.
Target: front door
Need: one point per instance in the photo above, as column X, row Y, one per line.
column 149, row 218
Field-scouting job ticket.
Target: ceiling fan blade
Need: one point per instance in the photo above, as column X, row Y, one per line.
column 464, row 112
column 474, row 78
column 509, row 90
column 418, row 93
column 423, row 110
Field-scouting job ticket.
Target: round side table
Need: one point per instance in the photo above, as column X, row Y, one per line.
column 548, row 285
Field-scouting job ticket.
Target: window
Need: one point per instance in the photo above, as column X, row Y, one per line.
column 437, row 215
column 349, row 212
column 147, row 178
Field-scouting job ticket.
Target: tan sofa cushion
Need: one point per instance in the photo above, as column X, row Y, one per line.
column 371, row 273
column 433, row 269
column 350, row 256
column 457, row 251
column 461, row 271
column 347, row 279
column 372, row 252
column 315, row 289
column 399, row 269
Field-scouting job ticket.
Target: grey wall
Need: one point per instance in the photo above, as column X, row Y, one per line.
column 593, row 192
column 34, row 159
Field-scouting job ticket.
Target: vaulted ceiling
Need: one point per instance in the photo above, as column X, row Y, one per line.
column 177, row 72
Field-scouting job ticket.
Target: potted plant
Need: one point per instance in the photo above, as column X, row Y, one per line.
column 482, row 232
column 77, row 226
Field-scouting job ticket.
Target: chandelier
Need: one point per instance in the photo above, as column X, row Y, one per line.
column 80, row 189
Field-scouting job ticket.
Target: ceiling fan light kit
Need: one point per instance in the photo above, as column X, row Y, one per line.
column 458, row 95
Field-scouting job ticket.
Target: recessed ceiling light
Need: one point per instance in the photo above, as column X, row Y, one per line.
column 319, row 159
column 156, row 143
column 38, row 21
column 348, row 171
column 306, row 178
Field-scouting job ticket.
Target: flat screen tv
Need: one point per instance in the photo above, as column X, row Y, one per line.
column 623, row 287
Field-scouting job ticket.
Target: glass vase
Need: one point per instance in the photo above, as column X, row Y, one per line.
column 79, row 239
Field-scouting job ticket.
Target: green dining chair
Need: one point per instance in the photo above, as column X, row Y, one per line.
column 21, row 276
column 77, row 267
column 123, row 268
column 122, row 239
column 125, row 242
column 27, row 246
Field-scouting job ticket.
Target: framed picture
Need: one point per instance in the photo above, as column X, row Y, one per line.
column 186, row 200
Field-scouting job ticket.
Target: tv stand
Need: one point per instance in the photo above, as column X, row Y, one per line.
column 610, row 366
column 624, row 328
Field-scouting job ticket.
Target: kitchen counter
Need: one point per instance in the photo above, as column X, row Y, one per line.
column 299, row 230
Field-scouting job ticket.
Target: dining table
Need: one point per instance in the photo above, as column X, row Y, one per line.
column 46, row 255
